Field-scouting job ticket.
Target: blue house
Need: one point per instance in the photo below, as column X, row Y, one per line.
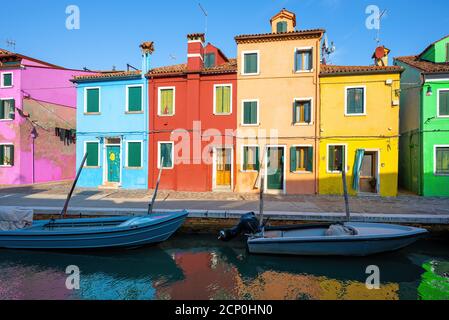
column 112, row 127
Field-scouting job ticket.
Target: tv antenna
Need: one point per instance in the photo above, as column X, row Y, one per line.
column 380, row 17
column 171, row 56
column 326, row 49
column 205, row 16
column 11, row 44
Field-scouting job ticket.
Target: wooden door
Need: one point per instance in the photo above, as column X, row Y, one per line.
column 223, row 167
column 275, row 168
column 113, row 159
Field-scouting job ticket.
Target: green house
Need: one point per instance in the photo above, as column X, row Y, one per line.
column 424, row 116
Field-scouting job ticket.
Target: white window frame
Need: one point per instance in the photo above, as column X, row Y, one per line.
column 5, row 99
column 127, row 99
column 242, row 123
column 159, row 154
column 8, row 144
column 310, row 99
column 313, row 152
column 435, row 147
column 2, row 85
column 159, row 111
column 85, row 101
column 365, row 104
column 438, row 103
column 85, row 150
column 243, row 63
column 242, row 157
column 215, row 99
column 345, row 159
column 127, row 154
column 294, row 59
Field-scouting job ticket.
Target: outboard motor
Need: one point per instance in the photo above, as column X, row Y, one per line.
column 248, row 224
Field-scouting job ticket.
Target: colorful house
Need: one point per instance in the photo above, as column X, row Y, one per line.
column 278, row 108
column 112, row 117
column 359, row 128
column 193, row 119
column 424, row 144
column 37, row 120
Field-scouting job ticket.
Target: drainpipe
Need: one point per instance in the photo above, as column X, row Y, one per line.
column 33, row 136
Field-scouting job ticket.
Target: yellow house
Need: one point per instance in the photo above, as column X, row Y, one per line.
column 277, row 108
column 359, row 129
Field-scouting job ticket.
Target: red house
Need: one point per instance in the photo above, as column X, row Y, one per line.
column 193, row 120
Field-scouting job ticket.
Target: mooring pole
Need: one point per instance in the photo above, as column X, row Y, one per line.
column 262, row 187
column 66, row 205
column 345, row 190
column 153, row 200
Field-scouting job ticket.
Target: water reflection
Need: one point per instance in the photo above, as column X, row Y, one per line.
column 198, row 267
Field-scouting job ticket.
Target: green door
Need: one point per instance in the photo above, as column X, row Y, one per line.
column 275, row 168
column 113, row 154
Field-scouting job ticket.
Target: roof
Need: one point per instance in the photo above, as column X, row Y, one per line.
column 331, row 70
column 180, row 69
column 284, row 13
column 423, row 65
column 9, row 56
column 114, row 75
column 300, row 34
column 432, row 44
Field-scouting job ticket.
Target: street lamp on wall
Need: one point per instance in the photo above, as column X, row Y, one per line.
column 429, row 92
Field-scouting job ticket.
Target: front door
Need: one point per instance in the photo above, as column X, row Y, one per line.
column 113, row 156
column 275, row 168
column 223, row 168
column 368, row 173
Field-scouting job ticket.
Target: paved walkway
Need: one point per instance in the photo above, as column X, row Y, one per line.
column 53, row 195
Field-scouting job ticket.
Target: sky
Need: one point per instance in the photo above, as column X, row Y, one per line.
column 111, row 30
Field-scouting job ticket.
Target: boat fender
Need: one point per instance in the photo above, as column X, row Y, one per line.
column 248, row 224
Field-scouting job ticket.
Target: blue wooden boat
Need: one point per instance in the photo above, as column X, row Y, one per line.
column 19, row 231
column 94, row 233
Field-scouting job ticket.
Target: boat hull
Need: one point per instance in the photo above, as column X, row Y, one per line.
column 358, row 245
column 87, row 234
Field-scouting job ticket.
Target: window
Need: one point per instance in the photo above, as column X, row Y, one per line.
column 303, row 60
column 134, row 99
column 281, row 26
column 250, row 112
column 442, row 160
column 92, row 101
column 6, row 80
column 443, row 103
column 209, row 60
column 134, row 154
column 166, row 152
column 336, row 158
column 355, row 101
column 223, row 99
column 301, row 159
column 251, row 158
column 302, row 112
column 250, row 63
column 166, row 101
column 6, row 155
column 7, row 109
column 93, row 151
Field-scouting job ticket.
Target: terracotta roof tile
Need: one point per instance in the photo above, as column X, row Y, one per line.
column 424, row 66
column 280, row 36
column 107, row 75
column 179, row 69
column 342, row 70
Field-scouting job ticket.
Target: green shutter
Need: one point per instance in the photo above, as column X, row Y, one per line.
column 250, row 63
column 11, row 160
column 331, row 156
column 166, row 153
column 245, row 158
column 7, row 79
column 134, row 154
column 227, row 99
column 135, row 99
column 93, row 100
column 307, row 112
column 281, row 26
column 309, row 164
column 12, row 109
column 167, row 99
column 92, row 154
column 257, row 166
column 2, row 109
column 254, row 112
column 247, row 113
column 2, row 155
column 355, row 100
column 219, row 99
column 293, row 160
column 444, row 103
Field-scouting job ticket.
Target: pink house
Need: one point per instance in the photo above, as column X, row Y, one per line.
column 37, row 120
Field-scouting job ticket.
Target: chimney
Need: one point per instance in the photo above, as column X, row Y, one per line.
column 147, row 50
column 380, row 56
column 195, row 51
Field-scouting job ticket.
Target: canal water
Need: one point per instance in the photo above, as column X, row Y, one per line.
column 200, row 267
